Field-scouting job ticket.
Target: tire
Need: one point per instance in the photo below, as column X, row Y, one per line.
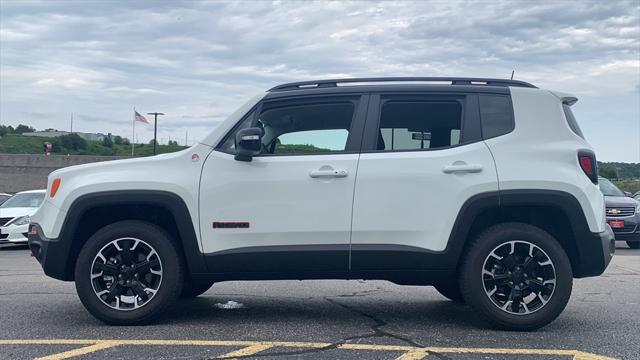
column 497, row 295
column 634, row 244
column 191, row 290
column 451, row 291
column 163, row 273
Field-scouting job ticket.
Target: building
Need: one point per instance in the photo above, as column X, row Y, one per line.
column 56, row 133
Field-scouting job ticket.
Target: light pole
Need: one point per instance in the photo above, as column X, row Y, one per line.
column 155, row 128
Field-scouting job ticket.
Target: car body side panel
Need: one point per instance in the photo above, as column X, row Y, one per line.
column 542, row 153
column 406, row 199
column 175, row 173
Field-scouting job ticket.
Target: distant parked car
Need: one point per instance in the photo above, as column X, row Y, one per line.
column 14, row 215
column 4, row 197
column 623, row 213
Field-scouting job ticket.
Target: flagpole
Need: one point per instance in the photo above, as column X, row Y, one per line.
column 133, row 135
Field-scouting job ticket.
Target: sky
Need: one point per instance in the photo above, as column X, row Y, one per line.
column 197, row 61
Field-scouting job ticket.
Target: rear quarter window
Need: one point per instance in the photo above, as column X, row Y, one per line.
column 571, row 120
column 496, row 115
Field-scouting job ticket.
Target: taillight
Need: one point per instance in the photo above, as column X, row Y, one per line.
column 587, row 160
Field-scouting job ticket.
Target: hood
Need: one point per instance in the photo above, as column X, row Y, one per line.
column 16, row 211
column 121, row 163
column 620, row 201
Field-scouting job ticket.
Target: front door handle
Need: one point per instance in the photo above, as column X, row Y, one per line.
column 328, row 172
column 462, row 167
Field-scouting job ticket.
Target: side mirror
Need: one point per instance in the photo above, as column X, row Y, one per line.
column 248, row 143
column 627, row 194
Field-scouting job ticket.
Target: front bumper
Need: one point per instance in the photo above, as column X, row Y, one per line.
column 595, row 253
column 14, row 234
column 631, row 229
column 52, row 254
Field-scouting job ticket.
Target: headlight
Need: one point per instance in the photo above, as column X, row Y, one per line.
column 22, row 220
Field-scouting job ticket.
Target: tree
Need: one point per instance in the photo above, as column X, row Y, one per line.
column 151, row 142
column 4, row 130
column 126, row 141
column 56, row 146
column 107, row 142
column 608, row 171
column 117, row 140
column 173, row 142
column 72, row 142
column 20, row 129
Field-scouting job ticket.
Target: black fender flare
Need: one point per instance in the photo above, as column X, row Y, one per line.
column 589, row 258
column 68, row 244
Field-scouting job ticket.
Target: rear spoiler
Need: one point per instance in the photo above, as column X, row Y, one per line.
column 565, row 98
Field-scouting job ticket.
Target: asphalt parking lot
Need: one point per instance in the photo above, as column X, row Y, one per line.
column 43, row 318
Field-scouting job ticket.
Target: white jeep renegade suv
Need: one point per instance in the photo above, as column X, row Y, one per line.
column 483, row 188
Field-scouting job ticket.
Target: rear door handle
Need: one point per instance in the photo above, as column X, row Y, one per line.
column 328, row 173
column 462, row 167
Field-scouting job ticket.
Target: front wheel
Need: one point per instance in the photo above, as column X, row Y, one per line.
column 634, row 244
column 517, row 276
column 128, row 272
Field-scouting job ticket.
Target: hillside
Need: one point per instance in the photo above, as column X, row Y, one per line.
column 19, row 144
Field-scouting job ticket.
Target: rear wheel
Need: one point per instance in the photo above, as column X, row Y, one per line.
column 128, row 273
column 451, row 291
column 517, row 276
column 634, row 244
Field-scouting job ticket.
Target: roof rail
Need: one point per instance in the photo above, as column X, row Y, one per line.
column 452, row 80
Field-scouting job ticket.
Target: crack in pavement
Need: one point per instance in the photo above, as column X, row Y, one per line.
column 376, row 331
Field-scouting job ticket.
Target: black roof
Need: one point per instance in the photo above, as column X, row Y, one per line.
column 333, row 83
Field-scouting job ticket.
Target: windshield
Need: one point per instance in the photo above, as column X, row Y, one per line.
column 608, row 189
column 32, row 200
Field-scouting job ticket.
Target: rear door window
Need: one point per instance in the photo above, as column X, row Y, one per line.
column 419, row 125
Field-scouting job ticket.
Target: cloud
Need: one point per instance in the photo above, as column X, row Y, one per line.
column 198, row 60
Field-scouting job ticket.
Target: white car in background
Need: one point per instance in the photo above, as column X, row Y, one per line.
column 4, row 197
column 14, row 215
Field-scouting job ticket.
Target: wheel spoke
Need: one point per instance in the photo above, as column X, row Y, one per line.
column 139, row 290
column 146, row 266
column 127, row 256
column 107, row 268
column 501, row 279
column 515, row 305
column 545, row 263
column 528, row 262
column 115, row 291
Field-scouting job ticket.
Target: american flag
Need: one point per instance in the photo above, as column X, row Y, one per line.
column 140, row 118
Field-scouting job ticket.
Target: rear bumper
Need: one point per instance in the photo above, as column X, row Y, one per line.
column 595, row 253
column 50, row 253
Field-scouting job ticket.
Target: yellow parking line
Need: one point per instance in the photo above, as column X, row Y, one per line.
column 417, row 354
column 249, row 350
column 253, row 347
column 101, row 345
